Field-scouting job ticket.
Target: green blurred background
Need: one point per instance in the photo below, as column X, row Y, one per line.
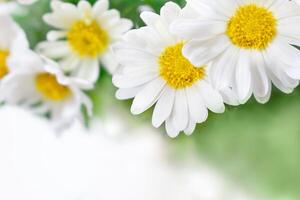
column 255, row 145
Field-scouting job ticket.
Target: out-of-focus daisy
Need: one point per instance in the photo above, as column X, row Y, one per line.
column 7, row 7
column 12, row 39
column 27, row 2
column 154, row 71
column 297, row 1
column 39, row 84
column 85, row 37
column 249, row 42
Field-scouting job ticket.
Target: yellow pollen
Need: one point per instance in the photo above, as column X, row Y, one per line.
column 3, row 66
column 176, row 70
column 252, row 27
column 87, row 39
column 50, row 89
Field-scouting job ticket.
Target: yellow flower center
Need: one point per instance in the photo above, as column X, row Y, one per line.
column 50, row 89
column 3, row 66
column 87, row 39
column 252, row 27
column 176, row 70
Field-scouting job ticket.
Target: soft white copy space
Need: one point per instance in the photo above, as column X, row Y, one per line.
column 106, row 163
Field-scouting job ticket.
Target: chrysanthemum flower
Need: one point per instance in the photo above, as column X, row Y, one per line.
column 39, row 85
column 154, row 71
column 249, row 41
column 85, row 37
column 12, row 39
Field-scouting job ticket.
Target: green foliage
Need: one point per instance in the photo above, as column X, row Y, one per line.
column 256, row 144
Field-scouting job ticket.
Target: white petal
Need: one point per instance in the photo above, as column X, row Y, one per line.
column 229, row 96
column 128, row 93
column 110, row 62
column 56, row 35
column 70, row 63
column 163, row 108
column 202, row 52
column 84, row 6
column 100, row 6
column 243, row 77
column 169, row 12
column 222, row 70
column 197, row 109
column 128, row 81
column 260, row 80
column 198, row 29
column 147, row 97
column 149, row 18
column 180, row 115
column 212, row 99
column 54, row 50
column 190, row 128
column 171, row 130
column 89, row 70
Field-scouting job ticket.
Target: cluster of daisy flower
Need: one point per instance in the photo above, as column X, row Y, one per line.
column 52, row 80
column 184, row 62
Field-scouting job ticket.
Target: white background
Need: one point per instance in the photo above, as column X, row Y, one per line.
column 107, row 163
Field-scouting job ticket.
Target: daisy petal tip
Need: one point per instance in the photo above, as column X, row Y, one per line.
column 262, row 101
column 173, row 134
column 222, row 109
column 188, row 133
column 55, row 4
column 115, row 81
column 52, row 36
column 135, row 111
column 243, row 97
column 243, row 101
column 83, row 4
column 155, row 123
column 117, row 95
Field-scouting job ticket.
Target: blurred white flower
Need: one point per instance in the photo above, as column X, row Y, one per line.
column 27, row 2
column 12, row 38
column 297, row 1
column 39, row 84
column 155, row 71
column 85, row 37
column 248, row 41
column 7, row 7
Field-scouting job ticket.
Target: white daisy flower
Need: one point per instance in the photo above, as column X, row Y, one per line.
column 43, row 88
column 7, row 7
column 12, row 38
column 85, row 37
column 249, row 42
column 154, row 71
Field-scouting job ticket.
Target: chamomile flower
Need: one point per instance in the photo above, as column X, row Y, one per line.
column 39, row 85
column 7, row 7
column 84, row 38
column 154, row 71
column 12, row 39
column 250, row 43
